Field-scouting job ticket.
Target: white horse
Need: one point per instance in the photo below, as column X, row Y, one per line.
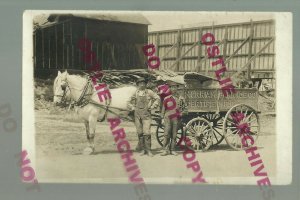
column 81, row 91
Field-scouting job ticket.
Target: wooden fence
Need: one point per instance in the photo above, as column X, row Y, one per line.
column 245, row 47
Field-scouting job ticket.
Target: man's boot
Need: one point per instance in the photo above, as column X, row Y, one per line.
column 173, row 144
column 148, row 145
column 138, row 146
column 142, row 145
column 165, row 146
column 165, row 152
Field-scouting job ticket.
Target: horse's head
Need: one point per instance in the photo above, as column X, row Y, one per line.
column 60, row 88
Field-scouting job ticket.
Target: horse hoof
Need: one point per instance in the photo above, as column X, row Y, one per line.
column 88, row 151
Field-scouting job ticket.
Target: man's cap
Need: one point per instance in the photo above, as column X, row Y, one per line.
column 141, row 79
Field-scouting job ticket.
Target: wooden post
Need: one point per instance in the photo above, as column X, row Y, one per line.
column 43, row 45
column 253, row 57
column 198, row 69
column 49, row 50
column 102, row 49
column 34, row 53
column 225, row 43
column 79, row 60
column 169, row 51
column 68, row 56
column 56, row 46
column 178, row 49
column 85, row 36
column 91, row 58
column 97, row 56
column 183, row 54
column 63, row 46
column 157, row 44
column 129, row 54
column 71, row 33
column 236, row 50
column 264, row 58
column 213, row 32
column 250, row 49
column 71, row 45
column 72, row 55
column 268, row 49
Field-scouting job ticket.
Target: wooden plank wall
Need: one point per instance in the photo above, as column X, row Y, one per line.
column 195, row 60
column 53, row 47
column 56, row 46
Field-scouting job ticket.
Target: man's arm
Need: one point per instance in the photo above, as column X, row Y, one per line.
column 131, row 102
column 155, row 98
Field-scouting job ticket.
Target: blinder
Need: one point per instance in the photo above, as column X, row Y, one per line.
column 63, row 87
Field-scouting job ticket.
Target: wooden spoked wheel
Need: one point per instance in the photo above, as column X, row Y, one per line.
column 216, row 121
column 200, row 133
column 160, row 134
column 241, row 127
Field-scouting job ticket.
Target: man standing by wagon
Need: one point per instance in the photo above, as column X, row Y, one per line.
column 142, row 102
column 171, row 124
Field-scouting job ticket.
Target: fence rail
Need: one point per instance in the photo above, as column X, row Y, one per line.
column 248, row 46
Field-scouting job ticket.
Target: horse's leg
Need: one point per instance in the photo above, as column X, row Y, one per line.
column 90, row 115
column 88, row 150
column 91, row 128
column 87, row 129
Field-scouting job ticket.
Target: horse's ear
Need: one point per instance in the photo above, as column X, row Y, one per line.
column 66, row 71
column 59, row 73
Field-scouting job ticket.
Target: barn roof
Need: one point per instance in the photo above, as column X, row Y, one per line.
column 47, row 20
column 123, row 17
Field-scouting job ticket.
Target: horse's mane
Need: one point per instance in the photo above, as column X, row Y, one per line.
column 77, row 80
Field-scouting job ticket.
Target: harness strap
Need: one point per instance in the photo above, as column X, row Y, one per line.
column 105, row 114
column 80, row 100
column 106, row 108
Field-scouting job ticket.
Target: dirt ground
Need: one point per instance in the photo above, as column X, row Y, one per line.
column 61, row 138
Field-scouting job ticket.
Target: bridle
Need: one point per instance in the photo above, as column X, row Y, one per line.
column 85, row 97
column 82, row 100
column 65, row 87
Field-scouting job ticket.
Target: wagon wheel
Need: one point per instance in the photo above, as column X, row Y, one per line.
column 160, row 134
column 200, row 133
column 241, row 124
column 159, row 129
column 216, row 121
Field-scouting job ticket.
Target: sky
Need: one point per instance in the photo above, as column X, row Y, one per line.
column 174, row 20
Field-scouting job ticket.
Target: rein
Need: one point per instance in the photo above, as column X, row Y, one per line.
column 83, row 101
column 63, row 96
column 84, row 97
column 108, row 108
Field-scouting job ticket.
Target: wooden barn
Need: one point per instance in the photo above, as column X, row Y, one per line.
column 116, row 39
column 247, row 47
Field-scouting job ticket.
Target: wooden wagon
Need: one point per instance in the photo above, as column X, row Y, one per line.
column 209, row 117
